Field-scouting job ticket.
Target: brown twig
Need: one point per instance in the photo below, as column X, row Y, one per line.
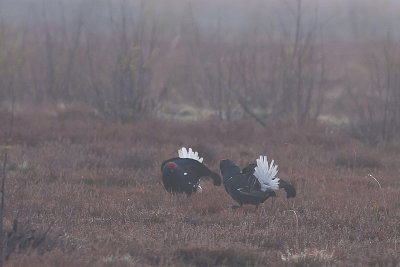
column 245, row 107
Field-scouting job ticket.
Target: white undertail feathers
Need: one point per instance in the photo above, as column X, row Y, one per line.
column 189, row 154
column 199, row 189
column 266, row 174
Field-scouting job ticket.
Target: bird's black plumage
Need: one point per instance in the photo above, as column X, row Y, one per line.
column 182, row 175
column 244, row 187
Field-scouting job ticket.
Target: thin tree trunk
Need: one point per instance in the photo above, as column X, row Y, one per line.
column 3, row 179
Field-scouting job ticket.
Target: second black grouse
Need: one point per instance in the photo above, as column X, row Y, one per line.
column 255, row 183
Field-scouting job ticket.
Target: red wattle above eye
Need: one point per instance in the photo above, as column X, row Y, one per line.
column 171, row 165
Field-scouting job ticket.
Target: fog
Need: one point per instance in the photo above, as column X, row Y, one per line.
column 339, row 18
column 303, row 59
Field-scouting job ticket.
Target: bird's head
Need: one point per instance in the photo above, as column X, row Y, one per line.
column 228, row 168
column 171, row 167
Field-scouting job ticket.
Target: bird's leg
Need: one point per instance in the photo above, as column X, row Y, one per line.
column 256, row 207
column 272, row 203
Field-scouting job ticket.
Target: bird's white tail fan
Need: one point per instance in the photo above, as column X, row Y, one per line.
column 189, row 154
column 266, row 174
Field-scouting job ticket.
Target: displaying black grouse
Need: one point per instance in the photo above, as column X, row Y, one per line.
column 255, row 183
column 182, row 174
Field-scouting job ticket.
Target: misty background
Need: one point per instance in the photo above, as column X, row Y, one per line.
column 300, row 61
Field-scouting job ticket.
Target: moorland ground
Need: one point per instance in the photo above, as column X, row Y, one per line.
column 88, row 191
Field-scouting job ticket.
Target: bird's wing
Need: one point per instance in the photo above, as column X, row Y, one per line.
column 249, row 168
column 290, row 190
column 257, row 194
column 195, row 169
column 203, row 171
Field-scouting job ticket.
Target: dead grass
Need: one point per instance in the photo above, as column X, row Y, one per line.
column 215, row 257
column 98, row 185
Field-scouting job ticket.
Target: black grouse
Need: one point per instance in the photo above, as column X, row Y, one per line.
column 182, row 174
column 255, row 183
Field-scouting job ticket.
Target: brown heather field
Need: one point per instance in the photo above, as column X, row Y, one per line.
column 87, row 191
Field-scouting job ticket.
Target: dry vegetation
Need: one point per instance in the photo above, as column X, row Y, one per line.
column 87, row 191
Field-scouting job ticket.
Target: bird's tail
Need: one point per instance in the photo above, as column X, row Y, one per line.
column 189, row 154
column 216, row 178
column 290, row 191
column 266, row 174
